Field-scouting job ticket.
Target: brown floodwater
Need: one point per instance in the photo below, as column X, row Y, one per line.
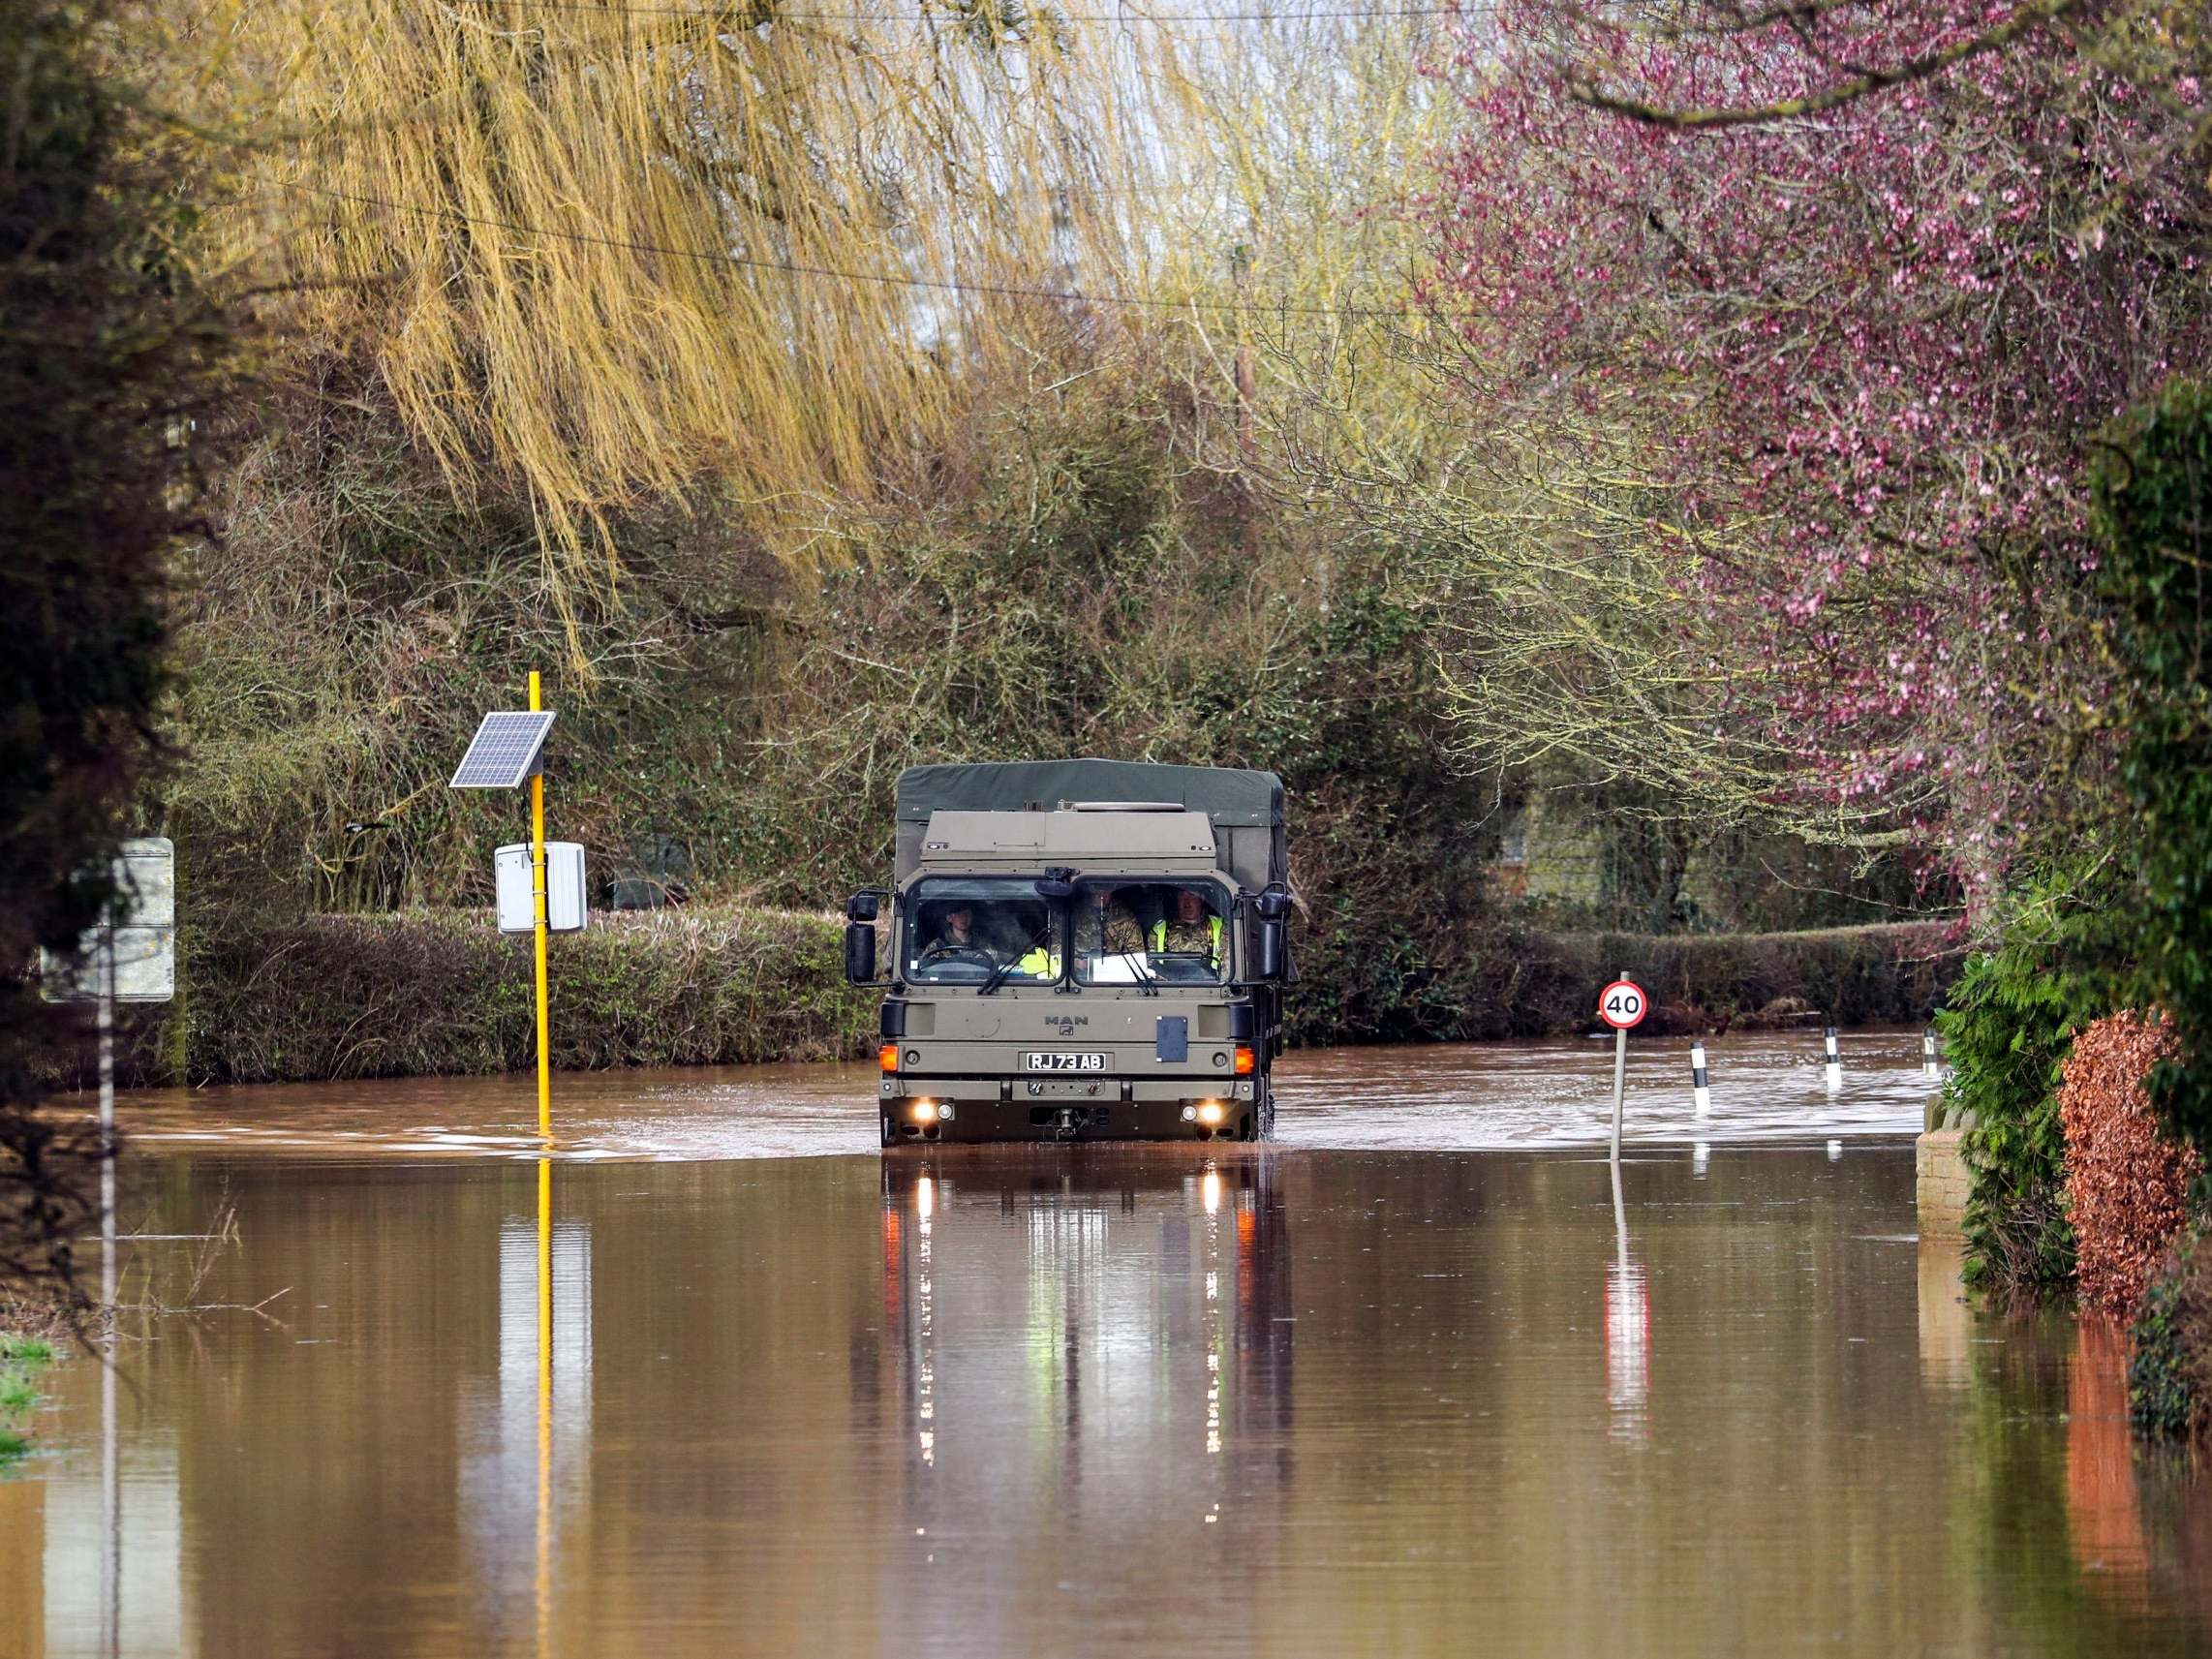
column 1432, row 1097
column 1381, row 1389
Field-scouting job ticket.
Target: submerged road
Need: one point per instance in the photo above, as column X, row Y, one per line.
column 1396, row 1385
column 1432, row 1097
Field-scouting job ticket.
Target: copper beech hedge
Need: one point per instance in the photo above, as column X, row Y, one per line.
column 2127, row 1186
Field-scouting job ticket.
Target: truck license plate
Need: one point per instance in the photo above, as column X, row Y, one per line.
column 1061, row 1061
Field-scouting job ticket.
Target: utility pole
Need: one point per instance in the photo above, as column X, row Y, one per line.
column 1247, row 385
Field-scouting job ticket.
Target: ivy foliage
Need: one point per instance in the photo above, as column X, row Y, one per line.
column 2153, row 515
column 2129, row 922
column 2007, row 1029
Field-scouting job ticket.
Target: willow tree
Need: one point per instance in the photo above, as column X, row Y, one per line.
column 601, row 252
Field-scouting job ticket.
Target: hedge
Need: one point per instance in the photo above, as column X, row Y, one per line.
column 441, row 992
column 1500, row 980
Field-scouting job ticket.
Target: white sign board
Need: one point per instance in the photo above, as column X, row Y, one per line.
column 144, row 944
column 566, row 909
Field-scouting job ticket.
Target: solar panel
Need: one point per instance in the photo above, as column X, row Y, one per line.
column 503, row 752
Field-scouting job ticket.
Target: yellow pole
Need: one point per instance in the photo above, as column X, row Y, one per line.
column 538, row 897
column 544, row 1581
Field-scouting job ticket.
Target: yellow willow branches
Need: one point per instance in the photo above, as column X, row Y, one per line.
column 605, row 253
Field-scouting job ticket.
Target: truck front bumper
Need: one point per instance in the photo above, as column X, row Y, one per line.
column 926, row 1110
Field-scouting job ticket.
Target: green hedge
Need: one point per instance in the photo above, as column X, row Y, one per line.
column 441, row 992
column 1502, row 981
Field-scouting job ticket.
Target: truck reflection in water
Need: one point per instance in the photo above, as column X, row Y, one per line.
column 1152, row 1371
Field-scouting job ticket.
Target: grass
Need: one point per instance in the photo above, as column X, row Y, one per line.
column 21, row 1359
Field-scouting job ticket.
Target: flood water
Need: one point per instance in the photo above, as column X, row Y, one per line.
column 1430, row 1098
column 1405, row 1383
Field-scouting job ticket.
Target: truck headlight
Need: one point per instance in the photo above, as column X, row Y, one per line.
column 1210, row 1112
column 926, row 1111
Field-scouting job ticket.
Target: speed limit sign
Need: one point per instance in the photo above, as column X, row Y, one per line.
column 1623, row 1004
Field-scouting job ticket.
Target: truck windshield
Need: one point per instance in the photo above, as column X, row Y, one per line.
column 1139, row 932
column 962, row 930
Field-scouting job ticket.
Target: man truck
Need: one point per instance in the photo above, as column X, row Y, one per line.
column 1079, row 951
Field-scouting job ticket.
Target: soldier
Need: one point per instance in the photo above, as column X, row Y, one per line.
column 958, row 930
column 1193, row 931
column 1108, row 926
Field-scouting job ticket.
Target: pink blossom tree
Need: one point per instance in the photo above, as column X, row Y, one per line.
column 1863, row 279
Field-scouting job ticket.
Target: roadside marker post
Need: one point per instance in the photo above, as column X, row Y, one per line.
column 1931, row 1065
column 1701, row 1087
column 1621, row 1005
column 1834, row 1062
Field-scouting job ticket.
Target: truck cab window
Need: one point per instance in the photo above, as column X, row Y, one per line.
column 1134, row 933
column 962, row 930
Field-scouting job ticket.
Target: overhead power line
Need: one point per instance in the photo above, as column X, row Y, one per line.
column 954, row 18
column 882, row 279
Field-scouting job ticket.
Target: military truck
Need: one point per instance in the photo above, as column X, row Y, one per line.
column 1079, row 951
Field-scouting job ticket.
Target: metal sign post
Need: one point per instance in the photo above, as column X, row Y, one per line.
column 509, row 746
column 1621, row 1005
column 129, row 956
column 110, row 1457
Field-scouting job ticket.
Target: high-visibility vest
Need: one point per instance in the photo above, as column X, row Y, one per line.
column 1213, row 926
column 1040, row 963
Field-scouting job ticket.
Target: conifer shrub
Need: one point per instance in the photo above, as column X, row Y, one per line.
column 2127, row 1184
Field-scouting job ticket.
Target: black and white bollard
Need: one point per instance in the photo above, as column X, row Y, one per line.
column 1930, row 1064
column 1834, row 1062
column 1700, row 1086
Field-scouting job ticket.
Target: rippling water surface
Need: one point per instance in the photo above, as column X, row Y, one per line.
column 1406, row 1383
column 1428, row 1097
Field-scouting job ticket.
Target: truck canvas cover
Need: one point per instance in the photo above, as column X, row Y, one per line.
column 1245, row 808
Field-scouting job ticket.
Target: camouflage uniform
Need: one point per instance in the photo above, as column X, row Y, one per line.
column 1202, row 937
column 1121, row 934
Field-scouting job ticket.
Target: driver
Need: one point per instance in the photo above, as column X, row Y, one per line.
column 958, row 931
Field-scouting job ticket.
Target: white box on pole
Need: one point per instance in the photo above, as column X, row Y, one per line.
column 143, row 941
column 566, row 909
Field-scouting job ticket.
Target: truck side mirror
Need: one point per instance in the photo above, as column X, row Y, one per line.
column 863, row 906
column 860, row 951
column 1271, row 948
